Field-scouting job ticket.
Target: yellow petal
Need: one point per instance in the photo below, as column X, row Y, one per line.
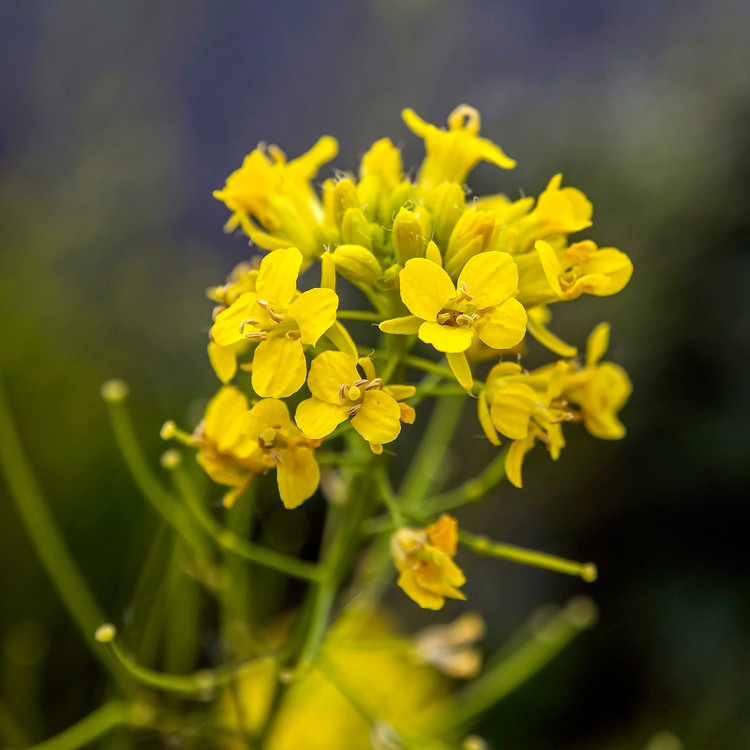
column 277, row 279
column 379, row 418
column 550, row 264
column 279, row 367
column 306, row 166
column 224, row 361
column 425, row 288
column 503, row 326
column 446, row 338
column 222, row 421
column 615, row 265
column 514, row 459
column 511, row 409
column 328, row 372
column 460, row 367
column 485, row 420
column 490, row 277
column 444, row 534
column 318, row 418
column 597, row 344
column 269, row 412
column 298, row 476
column 226, row 328
column 315, row 312
column 538, row 329
column 433, row 253
column 423, row 597
column 400, row 392
column 409, row 324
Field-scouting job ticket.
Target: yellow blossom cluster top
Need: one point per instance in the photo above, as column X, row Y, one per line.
column 454, row 286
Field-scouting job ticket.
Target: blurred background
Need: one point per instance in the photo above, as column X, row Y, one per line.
column 117, row 120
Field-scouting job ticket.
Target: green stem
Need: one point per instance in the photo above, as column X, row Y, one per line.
column 435, row 442
column 92, row 727
column 229, row 541
column 386, row 494
column 481, row 545
column 115, row 395
column 427, row 365
column 548, row 640
column 470, row 491
column 47, row 540
column 371, row 317
column 199, row 685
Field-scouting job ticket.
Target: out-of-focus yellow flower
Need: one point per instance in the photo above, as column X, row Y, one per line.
column 357, row 681
column 453, row 153
column 225, row 454
column 280, row 320
column 449, row 317
column 281, row 446
column 424, row 559
column 340, row 392
column 274, row 201
column 451, row 648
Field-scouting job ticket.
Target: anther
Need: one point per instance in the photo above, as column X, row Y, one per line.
column 343, row 391
column 464, row 292
column 260, row 335
column 359, row 383
column 467, row 321
column 275, row 317
column 444, row 317
column 376, row 384
column 248, row 322
column 353, row 410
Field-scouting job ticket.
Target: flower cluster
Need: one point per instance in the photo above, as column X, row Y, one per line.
column 470, row 279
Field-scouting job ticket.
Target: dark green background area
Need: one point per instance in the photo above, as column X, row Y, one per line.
column 117, row 120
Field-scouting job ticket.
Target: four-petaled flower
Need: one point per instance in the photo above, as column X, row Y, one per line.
column 424, row 559
column 282, row 321
column 449, row 317
column 340, row 392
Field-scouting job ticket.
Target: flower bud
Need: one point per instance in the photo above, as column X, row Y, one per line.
column 411, row 233
column 355, row 229
column 471, row 235
column 357, row 264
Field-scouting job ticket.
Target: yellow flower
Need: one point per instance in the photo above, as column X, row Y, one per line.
column 527, row 407
column 225, row 454
column 583, row 268
column 453, row 153
column 599, row 390
column 274, row 201
column 449, row 317
column 424, row 559
column 339, row 392
column 280, row 445
column 280, row 320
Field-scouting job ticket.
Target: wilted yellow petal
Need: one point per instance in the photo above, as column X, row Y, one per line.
column 279, row 367
column 485, row 420
column 551, row 265
column 379, row 418
column 514, row 459
column 460, row 368
column 425, row 288
column 597, row 344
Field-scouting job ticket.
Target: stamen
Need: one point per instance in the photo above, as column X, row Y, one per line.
column 359, row 383
column 444, row 317
column 343, row 391
column 248, row 322
column 376, row 384
column 353, row 410
column 463, row 292
column 260, row 335
column 275, row 317
column 466, row 321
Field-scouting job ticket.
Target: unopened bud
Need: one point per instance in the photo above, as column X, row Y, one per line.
column 471, row 235
column 355, row 229
column 411, row 233
column 357, row 263
column 344, row 197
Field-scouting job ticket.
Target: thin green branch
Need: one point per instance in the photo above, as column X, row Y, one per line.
column 521, row 665
column 227, row 540
column 370, row 317
column 481, row 545
column 427, row 365
column 47, row 540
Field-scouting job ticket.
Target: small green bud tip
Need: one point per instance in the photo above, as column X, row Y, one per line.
column 589, row 573
column 581, row 612
column 114, row 391
column 105, row 633
column 168, row 430
column 171, row 459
